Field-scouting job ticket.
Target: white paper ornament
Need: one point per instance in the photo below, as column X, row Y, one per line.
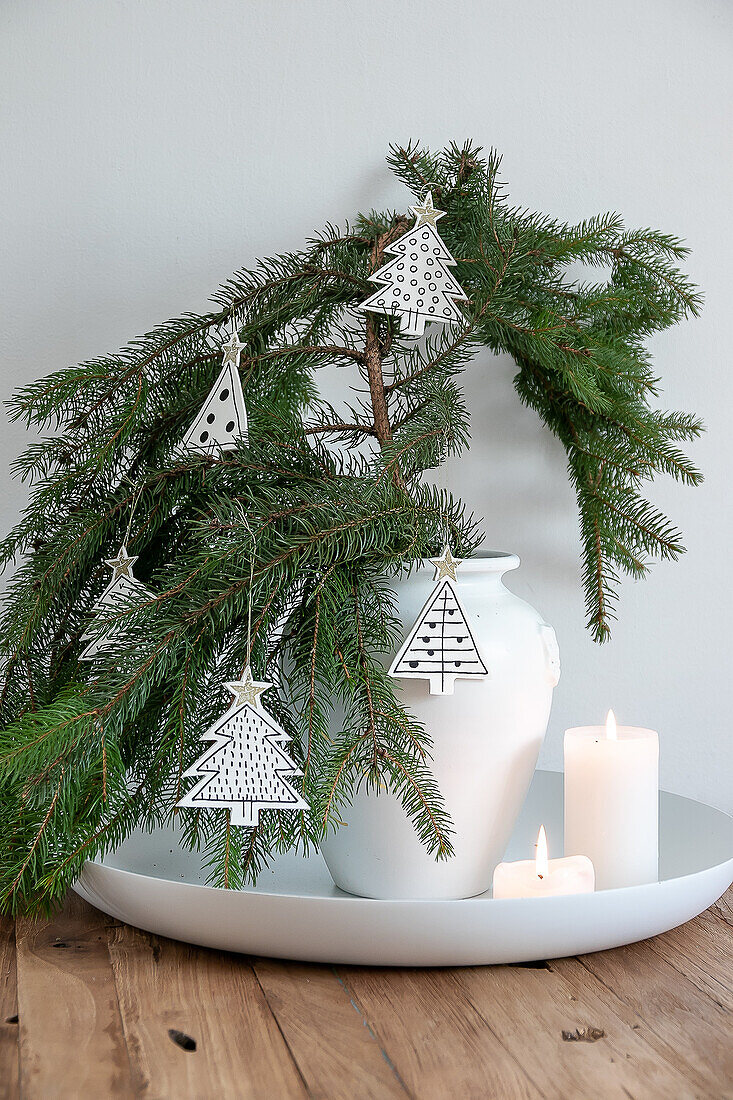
column 246, row 769
column 222, row 420
column 123, row 588
column 440, row 647
column 417, row 285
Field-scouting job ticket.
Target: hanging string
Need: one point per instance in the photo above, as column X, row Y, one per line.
column 133, row 507
column 444, row 491
column 245, row 521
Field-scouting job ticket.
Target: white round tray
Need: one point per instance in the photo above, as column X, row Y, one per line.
column 296, row 912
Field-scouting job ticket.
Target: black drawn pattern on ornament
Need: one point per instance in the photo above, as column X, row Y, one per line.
column 245, row 769
column 441, row 643
column 417, row 284
column 222, row 419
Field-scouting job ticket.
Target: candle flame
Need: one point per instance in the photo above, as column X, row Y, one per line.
column 541, row 862
column 611, row 732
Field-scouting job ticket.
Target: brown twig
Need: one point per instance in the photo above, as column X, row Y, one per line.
column 372, row 727
column 181, row 712
column 373, row 349
column 338, row 351
column 312, row 690
column 209, row 322
column 37, row 839
column 30, row 681
column 226, row 854
column 351, row 238
column 104, row 767
column 444, row 845
column 333, row 273
column 339, row 426
column 249, row 855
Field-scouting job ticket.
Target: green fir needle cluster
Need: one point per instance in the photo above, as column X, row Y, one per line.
column 298, row 531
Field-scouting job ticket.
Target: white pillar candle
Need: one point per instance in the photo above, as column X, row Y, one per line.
column 612, row 801
column 542, row 877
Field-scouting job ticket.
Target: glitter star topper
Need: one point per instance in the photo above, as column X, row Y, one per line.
column 445, row 565
column 426, row 213
column 247, row 690
column 122, row 564
column 231, row 350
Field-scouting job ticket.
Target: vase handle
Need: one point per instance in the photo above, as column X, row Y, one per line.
column 552, row 653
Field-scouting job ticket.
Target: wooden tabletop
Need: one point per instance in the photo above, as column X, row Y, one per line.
column 91, row 1008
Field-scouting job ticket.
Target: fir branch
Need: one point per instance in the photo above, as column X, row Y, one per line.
column 336, row 503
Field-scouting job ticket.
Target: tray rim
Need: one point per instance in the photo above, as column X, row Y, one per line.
column 331, row 926
column 343, row 895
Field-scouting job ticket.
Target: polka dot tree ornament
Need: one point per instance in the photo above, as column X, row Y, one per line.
column 417, row 284
column 222, row 421
column 440, row 647
column 246, row 769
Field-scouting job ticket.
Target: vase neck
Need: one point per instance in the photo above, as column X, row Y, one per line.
column 488, row 564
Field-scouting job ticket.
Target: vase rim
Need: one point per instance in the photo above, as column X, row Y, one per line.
column 483, row 561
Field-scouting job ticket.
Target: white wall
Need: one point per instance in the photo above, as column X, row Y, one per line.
column 150, row 147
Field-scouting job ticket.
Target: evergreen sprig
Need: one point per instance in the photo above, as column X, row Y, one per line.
column 281, row 550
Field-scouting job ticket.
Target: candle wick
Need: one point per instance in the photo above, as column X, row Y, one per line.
column 540, row 876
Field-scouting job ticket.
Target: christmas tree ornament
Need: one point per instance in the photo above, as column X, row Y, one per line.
column 246, row 769
column 417, row 285
column 440, row 647
column 222, row 420
column 121, row 591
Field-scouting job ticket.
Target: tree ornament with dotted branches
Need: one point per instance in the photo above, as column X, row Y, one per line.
column 417, row 285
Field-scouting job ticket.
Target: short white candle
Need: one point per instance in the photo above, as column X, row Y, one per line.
column 612, row 801
column 542, row 877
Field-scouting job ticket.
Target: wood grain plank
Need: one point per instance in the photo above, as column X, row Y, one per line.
column 439, row 1044
column 332, row 1042
column 687, row 1026
column 71, row 1040
column 723, row 908
column 268, row 1028
column 702, row 950
column 210, row 997
column 530, row 1008
column 9, row 1084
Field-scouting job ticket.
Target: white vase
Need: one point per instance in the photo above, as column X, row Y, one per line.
column 486, row 739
